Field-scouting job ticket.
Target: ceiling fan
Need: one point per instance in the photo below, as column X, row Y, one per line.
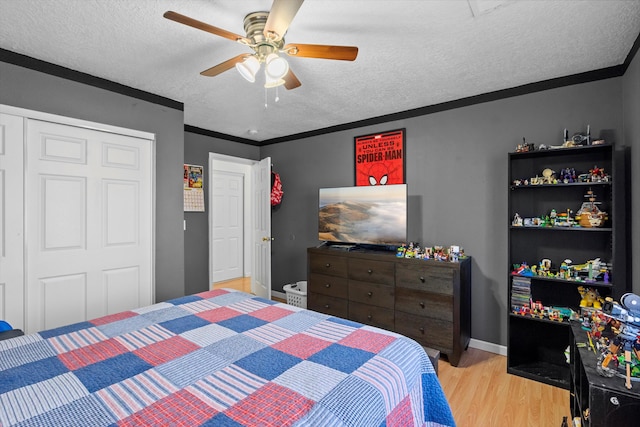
column 265, row 35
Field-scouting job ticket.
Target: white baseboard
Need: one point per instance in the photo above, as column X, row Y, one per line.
column 488, row 346
column 278, row 294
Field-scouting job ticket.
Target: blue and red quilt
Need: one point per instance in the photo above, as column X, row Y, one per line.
column 218, row 358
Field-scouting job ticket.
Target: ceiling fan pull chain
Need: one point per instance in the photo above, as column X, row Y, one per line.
column 265, row 99
column 277, row 97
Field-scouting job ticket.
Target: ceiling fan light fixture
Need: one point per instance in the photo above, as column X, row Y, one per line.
column 275, row 67
column 271, row 82
column 249, row 68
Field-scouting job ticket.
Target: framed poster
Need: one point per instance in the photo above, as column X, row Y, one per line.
column 380, row 158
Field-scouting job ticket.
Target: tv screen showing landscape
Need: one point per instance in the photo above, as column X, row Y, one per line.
column 375, row 215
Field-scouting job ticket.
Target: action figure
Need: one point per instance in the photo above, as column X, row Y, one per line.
column 628, row 335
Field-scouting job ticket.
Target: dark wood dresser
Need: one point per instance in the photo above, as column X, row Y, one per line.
column 429, row 301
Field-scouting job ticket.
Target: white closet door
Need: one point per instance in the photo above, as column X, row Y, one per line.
column 88, row 222
column 11, row 222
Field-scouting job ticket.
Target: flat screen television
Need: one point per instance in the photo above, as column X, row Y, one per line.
column 364, row 215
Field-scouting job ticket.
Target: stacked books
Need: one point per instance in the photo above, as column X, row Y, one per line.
column 520, row 291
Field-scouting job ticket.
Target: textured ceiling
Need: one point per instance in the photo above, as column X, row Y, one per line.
column 412, row 54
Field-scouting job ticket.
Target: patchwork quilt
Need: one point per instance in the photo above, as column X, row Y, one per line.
column 218, row 358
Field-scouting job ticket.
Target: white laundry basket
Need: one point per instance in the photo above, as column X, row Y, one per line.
column 297, row 294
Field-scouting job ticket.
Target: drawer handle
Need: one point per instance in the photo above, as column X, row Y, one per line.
column 370, row 271
column 369, row 294
column 369, row 317
column 422, row 279
column 421, row 330
column 326, row 306
column 327, row 265
column 421, row 304
column 327, row 285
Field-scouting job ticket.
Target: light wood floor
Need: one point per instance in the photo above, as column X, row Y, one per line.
column 482, row 394
column 242, row 284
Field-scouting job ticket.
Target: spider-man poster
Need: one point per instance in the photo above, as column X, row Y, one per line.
column 380, row 158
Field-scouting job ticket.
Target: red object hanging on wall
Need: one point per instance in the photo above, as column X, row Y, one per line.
column 276, row 189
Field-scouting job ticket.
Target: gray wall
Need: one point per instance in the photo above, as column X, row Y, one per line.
column 631, row 117
column 456, row 170
column 196, row 237
column 25, row 88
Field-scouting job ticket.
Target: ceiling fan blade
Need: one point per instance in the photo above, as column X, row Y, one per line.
column 291, row 81
column 344, row 53
column 281, row 14
column 174, row 16
column 224, row 66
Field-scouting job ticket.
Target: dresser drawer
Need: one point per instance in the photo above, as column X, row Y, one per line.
column 371, row 293
column 371, row 315
column 327, row 264
column 372, row 271
column 418, row 276
column 327, row 285
column 328, row 305
column 424, row 304
column 429, row 332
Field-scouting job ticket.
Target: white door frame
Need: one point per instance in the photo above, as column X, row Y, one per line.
column 222, row 162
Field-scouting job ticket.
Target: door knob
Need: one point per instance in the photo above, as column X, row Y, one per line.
column 266, row 239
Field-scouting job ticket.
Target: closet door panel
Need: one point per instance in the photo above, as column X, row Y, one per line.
column 89, row 221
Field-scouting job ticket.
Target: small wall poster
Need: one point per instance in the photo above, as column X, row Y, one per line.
column 380, row 158
column 193, row 188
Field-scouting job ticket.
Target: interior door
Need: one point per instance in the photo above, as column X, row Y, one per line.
column 89, row 221
column 227, row 225
column 11, row 220
column 261, row 276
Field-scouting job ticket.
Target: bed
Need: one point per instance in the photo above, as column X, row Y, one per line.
column 218, row 358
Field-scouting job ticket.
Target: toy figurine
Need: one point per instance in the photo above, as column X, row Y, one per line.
column 592, row 269
column 428, row 253
column 565, row 219
column 401, row 251
column 565, row 269
column 544, row 267
column 549, row 177
column 597, row 175
column 525, row 147
column 627, row 313
column 517, row 220
column 590, row 297
column 409, row 253
column 454, row 253
column 522, row 270
column 568, row 175
column 589, row 213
